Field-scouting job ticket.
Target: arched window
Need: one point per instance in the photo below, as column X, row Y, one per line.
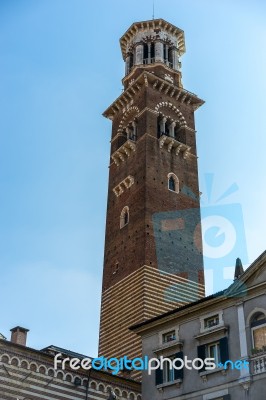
column 124, row 217
column 165, row 53
column 148, row 53
column 177, row 133
column 163, row 126
column 131, row 61
column 173, row 183
column 167, row 128
column 145, row 53
column 170, row 57
column 258, row 331
column 160, row 126
column 131, row 130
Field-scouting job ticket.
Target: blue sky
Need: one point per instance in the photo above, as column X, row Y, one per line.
column 60, row 68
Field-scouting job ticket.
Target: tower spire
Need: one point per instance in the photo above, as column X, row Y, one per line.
column 239, row 270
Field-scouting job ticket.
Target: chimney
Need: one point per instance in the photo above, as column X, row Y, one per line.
column 19, row 335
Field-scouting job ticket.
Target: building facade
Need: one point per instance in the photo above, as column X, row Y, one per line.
column 29, row 374
column 153, row 248
column 230, row 325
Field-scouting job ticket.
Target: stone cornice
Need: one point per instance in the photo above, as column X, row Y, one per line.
column 199, row 307
column 146, row 79
column 146, row 68
column 213, row 332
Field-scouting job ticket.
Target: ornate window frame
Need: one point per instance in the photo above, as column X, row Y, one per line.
column 256, row 325
column 176, row 180
column 203, row 318
column 123, row 221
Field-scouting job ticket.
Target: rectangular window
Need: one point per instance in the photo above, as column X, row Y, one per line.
column 211, row 321
column 168, row 371
column 217, row 350
column 213, row 351
column 169, row 374
column 169, row 336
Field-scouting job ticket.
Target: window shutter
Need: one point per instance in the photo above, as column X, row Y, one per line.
column 158, row 376
column 202, row 355
column 224, row 355
column 179, row 373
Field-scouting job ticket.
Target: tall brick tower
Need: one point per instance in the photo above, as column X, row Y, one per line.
column 153, row 249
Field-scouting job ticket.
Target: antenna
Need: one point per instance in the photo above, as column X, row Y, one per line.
column 153, row 10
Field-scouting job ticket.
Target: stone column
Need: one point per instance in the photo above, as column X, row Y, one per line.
column 127, row 65
column 139, row 54
column 175, row 59
column 172, row 129
column 162, row 125
column 166, row 53
column 149, row 52
column 244, row 372
column 134, row 124
column 158, row 52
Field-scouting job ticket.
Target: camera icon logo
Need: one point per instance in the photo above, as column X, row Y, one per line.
column 224, row 240
column 179, row 236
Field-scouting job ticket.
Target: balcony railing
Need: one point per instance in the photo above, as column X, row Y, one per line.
column 259, row 364
column 149, row 60
column 152, row 61
column 160, row 134
column 168, row 63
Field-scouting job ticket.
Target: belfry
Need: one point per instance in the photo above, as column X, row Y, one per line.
column 153, row 248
